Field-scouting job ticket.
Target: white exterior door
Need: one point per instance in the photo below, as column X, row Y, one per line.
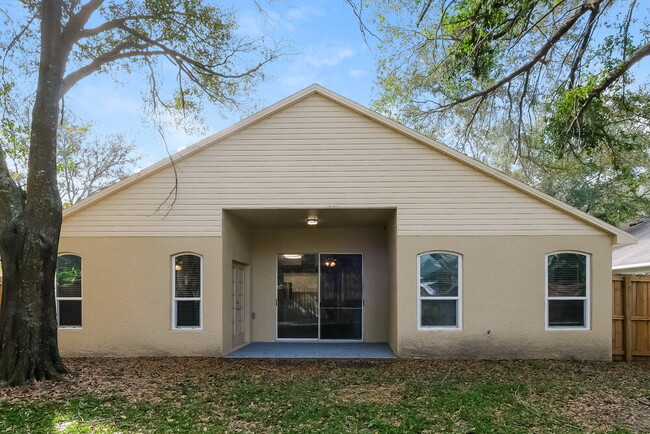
column 238, row 303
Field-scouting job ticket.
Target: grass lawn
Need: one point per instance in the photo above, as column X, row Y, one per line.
column 217, row 395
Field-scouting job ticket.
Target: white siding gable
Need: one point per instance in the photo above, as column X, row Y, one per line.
column 317, row 153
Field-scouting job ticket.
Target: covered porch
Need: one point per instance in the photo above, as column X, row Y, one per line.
column 312, row 290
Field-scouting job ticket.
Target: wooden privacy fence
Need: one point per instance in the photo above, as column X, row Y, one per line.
column 631, row 317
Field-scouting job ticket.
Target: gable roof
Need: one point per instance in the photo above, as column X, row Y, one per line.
column 621, row 237
column 634, row 256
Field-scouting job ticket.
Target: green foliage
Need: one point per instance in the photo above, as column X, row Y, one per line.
column 68, row 275
column 187, row 51
column 472, row 26
column 603, row 165
column 14, row 134
column 536, row 88
column 85, row 164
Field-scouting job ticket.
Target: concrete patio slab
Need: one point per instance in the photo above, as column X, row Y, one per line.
column 313, row 350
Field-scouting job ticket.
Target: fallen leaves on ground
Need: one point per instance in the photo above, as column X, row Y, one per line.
column 244, row 395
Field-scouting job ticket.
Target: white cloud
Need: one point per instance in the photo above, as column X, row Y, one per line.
column 249, row 24
column 258, row 24
column 317, row 64
column 275, row 20
column 303, row 13
column 100, row 97
column 328, row 55
column 298, row 80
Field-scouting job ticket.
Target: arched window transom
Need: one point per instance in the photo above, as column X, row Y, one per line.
column 187, row 270
column 68, row 290
column 439, row 290
column 567, row 290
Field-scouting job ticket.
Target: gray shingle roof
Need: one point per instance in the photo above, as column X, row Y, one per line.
column 637, row 253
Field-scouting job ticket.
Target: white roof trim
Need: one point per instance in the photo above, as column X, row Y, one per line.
column 626, row 267
column 621, row 237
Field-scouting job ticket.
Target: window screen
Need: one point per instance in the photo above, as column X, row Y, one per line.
column 567, row 286
column 188, row 289
column 439, row 289
column 67, row 287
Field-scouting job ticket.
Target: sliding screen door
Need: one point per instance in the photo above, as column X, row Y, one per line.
column 341, row 301
column 298, row 296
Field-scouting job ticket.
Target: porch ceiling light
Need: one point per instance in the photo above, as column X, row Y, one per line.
column 312, row 221
column 292, row 256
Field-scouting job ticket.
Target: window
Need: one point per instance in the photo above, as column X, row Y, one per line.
column 567, row 290
column 187, row 291
column 68, row 284
column 439, row 290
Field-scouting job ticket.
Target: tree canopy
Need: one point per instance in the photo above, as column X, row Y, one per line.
column 50, row 46
column 525, row 85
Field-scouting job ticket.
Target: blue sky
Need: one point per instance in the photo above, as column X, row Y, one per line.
column 326, row 47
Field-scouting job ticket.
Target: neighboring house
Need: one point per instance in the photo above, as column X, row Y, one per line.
column 318, row 219
column 634, row 259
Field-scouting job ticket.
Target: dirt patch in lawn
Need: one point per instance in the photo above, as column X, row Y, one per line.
column 372, row 393
column 192, row 394
column 609, row 410
column 147, row 378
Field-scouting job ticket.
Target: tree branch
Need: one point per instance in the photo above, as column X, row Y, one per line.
column 11, row 196
column 16, row 38
column 115, row 54
column 583, row 47
column 108, row 25
column 117, row 22
column 537, row 57
column 362, row 26
column 71, row 31
column 423, row 12
column 615, row 74
column 198, row 66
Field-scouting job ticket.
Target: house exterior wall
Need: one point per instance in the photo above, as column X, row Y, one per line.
column 318, row 154
column 236, row 247
column 127, row 298
column 391, row 270
column 371, row 242
column 503, row 292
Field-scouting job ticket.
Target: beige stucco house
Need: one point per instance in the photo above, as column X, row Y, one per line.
column 317, row 219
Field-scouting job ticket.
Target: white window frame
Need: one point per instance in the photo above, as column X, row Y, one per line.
column 57, row 298
column 175, row 299
column 586, row 298
column 458, row 298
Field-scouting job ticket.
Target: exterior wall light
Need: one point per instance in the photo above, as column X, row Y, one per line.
column 312, row 221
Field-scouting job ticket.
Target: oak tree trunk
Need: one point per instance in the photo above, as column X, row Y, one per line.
column 28, row 326
column 30, row 224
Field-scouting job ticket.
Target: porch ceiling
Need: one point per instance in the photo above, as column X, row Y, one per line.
column 327, row 217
